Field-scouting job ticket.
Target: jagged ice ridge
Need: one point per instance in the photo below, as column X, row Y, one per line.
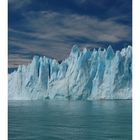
column 84, row 75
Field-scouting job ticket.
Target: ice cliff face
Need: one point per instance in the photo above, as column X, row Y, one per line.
column 86, row 75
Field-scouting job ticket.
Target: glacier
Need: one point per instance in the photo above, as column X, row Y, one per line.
column 84, row 75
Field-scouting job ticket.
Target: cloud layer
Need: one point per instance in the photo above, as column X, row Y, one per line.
column 52, row 33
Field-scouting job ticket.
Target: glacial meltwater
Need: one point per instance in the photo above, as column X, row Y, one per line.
column 70, row 120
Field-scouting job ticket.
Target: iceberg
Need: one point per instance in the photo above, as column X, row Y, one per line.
column 84, row 75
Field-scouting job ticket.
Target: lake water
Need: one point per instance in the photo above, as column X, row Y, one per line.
column 70, row 120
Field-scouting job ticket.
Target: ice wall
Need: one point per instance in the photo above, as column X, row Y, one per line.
column 84, row 75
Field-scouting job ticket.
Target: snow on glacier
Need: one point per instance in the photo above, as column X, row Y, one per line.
column 84, row 75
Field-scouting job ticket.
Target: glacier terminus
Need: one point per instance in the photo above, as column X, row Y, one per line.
column 84, row 75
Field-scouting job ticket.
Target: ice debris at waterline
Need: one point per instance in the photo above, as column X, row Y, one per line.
column 84, row 75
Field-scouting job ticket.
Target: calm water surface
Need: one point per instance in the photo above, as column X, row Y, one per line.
column 70, row 120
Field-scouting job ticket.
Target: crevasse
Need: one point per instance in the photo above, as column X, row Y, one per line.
column 84, row 75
